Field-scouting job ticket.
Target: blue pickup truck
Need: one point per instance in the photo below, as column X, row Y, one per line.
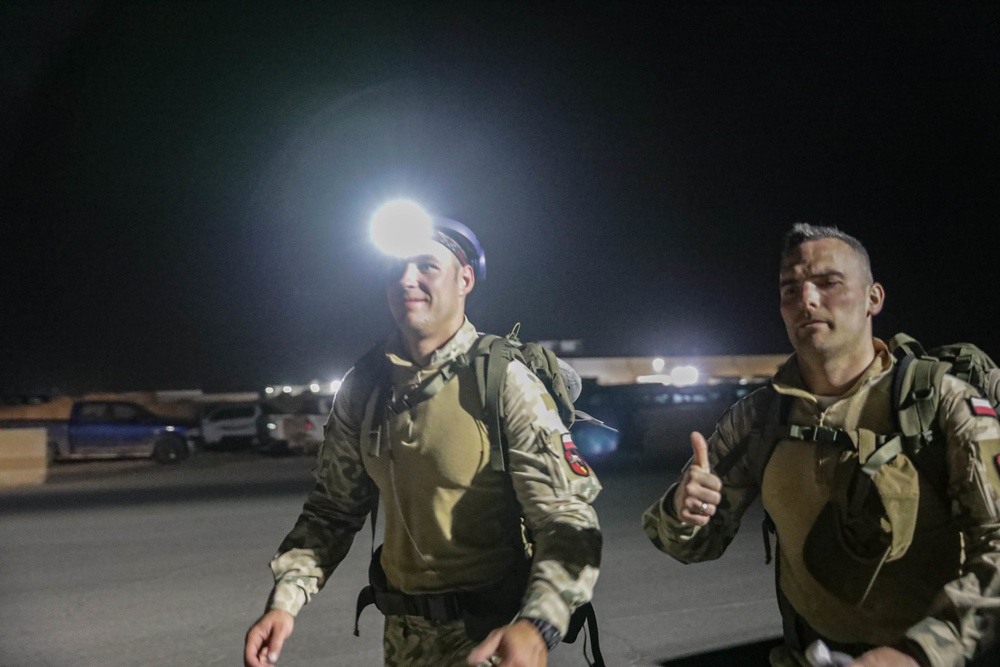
column 113, row 429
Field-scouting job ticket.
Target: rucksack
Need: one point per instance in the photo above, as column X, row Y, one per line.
column 916, row 392
column 915, row 396
column 489, row 356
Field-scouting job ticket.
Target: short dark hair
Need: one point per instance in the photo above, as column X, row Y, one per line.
column 802, row 232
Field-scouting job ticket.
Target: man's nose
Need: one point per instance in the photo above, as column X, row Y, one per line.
column 809, row 295
column 409, row 274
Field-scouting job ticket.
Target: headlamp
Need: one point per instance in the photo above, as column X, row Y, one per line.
column 403, row 229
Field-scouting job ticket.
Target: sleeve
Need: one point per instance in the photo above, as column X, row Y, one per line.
column 692, row 544
column 334, row 511
column 555, row 488
column 966, row 614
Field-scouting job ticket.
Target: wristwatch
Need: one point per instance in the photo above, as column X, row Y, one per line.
column 550, row 635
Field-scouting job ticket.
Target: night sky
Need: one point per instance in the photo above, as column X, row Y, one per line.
column 186, row 185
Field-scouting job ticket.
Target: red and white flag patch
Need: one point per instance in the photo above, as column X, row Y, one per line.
column 572, row 454
column 981, row 407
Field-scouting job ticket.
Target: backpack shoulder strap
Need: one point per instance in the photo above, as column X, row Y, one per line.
column 490, row 356
column 375, row 366
column 916, row 394
column 759, row 442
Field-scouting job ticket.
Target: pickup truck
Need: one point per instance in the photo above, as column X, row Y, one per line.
column 296, row 431
column 112, row 429
column 231, row 425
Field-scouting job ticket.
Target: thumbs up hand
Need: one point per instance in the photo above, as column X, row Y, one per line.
column 697, row 495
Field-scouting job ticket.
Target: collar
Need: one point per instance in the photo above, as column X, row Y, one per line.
column 788, row 379
column 461, row 342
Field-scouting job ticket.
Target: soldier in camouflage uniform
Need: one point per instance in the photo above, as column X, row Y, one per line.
column 453, row 523
column 936, row 600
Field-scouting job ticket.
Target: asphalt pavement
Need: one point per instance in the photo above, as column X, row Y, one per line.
column 130, row 563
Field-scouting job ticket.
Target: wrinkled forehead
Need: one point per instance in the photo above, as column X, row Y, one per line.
column 821, row 256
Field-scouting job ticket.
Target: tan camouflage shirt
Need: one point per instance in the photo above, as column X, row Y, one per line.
column 552, row 488
column 936, row 595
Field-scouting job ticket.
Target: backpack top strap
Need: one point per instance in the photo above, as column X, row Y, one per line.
column 903, row 345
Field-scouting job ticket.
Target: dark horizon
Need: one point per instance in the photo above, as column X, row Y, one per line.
column 185, row 187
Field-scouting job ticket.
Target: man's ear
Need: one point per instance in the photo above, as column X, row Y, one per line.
column 467, row 278
column 876, row 299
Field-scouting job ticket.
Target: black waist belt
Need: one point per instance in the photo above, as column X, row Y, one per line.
column 432, row 606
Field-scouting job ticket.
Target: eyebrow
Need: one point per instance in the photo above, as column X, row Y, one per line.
column 825, row 274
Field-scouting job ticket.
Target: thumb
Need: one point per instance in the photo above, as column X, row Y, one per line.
column 486, row 650
column 700, row 448
column 271, row 650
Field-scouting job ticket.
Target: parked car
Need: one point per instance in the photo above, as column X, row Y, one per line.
column 231, row 425
column 113, row 429
column 294, row 429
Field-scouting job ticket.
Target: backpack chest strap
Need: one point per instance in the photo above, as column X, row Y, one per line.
column 383, row 403
column 428, row 388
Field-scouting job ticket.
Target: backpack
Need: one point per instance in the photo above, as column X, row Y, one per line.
column 489, row 356
column 915, row 394
column 917, row 378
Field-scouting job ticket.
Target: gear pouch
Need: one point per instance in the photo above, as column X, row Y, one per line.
column 868, row 521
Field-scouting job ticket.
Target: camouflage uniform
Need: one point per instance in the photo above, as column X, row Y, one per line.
column 937, row 595
column 451, row 523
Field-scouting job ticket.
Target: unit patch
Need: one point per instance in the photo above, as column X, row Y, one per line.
column 572, row 454
column 996, row 463
column 981, row 407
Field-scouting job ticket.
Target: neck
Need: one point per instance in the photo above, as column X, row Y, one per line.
column 422, row 347
column 834, row 376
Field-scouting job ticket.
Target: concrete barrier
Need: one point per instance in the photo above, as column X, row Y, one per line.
column 23, row 460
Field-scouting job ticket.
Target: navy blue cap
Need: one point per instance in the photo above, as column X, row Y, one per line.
column 468, row 250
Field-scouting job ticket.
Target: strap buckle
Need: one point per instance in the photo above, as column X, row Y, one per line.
column 824, row 435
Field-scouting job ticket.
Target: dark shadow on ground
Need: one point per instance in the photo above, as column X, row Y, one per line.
column 756, row 653
column 745, row 654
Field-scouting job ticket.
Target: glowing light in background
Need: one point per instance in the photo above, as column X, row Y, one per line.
column 683, row 376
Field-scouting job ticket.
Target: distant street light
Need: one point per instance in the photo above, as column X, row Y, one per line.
column 683, row 376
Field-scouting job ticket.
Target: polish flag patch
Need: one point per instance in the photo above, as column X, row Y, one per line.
column 981, row 407
column 572, row 454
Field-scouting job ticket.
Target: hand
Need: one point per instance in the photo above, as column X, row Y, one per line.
column 883, row 656
column 518, row 645
column 697, row 495
column 266, row 637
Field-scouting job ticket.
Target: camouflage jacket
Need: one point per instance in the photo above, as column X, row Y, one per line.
column 549, row 489
column 943, row 594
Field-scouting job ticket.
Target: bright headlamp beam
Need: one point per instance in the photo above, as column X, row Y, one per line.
column 401, row 228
